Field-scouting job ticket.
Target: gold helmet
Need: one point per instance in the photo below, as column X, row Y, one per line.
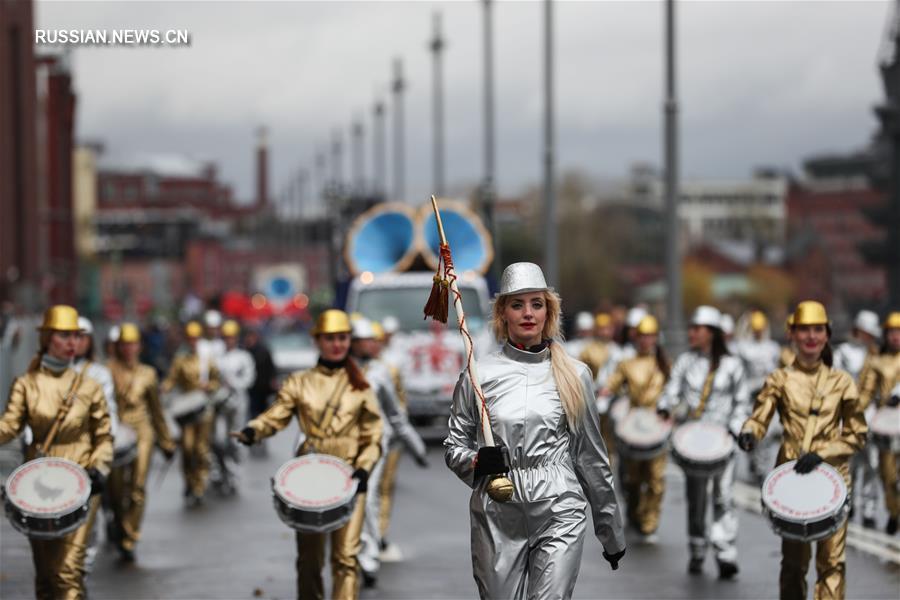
column 378, row 330
column 129, row 332
column 758, row 321
column 603, row 320
column 332, row 321
column 60, row 318
column 648, row 326
column 892, row 321
column 810, row 312
column 193, row 329
column 230, row 328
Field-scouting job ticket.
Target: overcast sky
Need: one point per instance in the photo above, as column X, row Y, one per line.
column 760, row 83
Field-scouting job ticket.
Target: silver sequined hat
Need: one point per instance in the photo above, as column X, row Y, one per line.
column 522, row 277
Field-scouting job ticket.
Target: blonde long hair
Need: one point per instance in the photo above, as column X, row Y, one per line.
column 563, row 367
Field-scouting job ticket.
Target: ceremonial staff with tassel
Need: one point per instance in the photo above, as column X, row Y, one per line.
column 525, row 436
column 500, row 488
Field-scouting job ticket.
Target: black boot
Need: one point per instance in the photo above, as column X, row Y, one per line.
column 727, row 570
column 695, row 566
column 891, row 528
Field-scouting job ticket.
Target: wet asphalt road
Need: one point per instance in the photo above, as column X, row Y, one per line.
column 237, row 547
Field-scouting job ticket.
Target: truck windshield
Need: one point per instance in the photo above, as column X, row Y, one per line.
column 406, row 305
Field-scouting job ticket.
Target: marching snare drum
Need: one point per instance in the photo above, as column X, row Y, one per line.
column 805, row 507
column 619, row 408
column 885, row 428
column 47, row 498
column 124, row 446
column 314, row 493
column 187, row 407
column 702, row 448
column 641, row 434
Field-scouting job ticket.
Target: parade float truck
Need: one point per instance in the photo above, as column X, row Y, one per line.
column 392, row 252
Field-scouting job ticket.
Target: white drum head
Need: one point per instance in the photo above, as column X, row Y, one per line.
column 619, row 409
column 702, row 441
column 48, row 487
column 801, row 498
column 886, row 421
column 125, row 438
column 643, row 427
column 315, row 482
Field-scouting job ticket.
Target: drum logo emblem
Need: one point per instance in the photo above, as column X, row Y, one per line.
column 45, row 491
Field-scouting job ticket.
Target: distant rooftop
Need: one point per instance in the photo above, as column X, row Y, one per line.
column 166, row 165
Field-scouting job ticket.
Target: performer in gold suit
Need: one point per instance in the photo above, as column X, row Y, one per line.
column 389, row 477
column 189, row 373
column 880, row 375
column 823, row 420
column 643, row 378
column 788, row 354
column 83, row 436
column 597, row 354
column 338, row 412
column 137, row 397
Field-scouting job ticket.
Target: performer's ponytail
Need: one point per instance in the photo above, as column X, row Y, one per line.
column 357, row 378
column 43, row 344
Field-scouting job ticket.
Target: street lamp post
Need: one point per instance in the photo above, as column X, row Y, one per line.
column 673, row 255
column 436, row 46
column 551, row 258
column 397, row 87
column 487, row 195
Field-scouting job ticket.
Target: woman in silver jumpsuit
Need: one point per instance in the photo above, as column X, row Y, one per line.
column 710, row 384
column 541, row 409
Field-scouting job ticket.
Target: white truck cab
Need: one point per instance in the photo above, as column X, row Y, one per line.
column 430, row 355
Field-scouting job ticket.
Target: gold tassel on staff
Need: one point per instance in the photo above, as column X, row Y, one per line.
column 500, row 488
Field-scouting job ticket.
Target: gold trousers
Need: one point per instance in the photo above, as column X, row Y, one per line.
column 195, row 454
column 888, row 468
column 345, row 547
column 59, row 564
column 644, row 486
column 127, row 488
column 830, row 567
column 388, row 481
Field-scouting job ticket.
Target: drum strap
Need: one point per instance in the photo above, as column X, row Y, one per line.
column 67, row 402
column 331, row 408
column 814, row 407
column 704, row 395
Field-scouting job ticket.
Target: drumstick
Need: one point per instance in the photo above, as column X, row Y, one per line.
column 164, row 471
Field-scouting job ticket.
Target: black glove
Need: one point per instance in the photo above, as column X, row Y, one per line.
column 169, row 453
column 491, row 460
column 893, row 401
column 614, row 559
column 98, row 481
column 248, row 436
column 807, row 463
column 663, row 413
column 746, row 441
column 363, row 477
column 421, row 461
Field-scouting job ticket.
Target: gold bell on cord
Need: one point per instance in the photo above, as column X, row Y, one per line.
column 500, row 489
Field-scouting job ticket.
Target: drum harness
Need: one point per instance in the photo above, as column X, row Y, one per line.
column 814, row 408
column 330, row 410
column 704, row 395
column 64, row 408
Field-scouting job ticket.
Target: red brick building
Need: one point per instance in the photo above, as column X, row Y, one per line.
column 826, row 227
column 37, row 103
